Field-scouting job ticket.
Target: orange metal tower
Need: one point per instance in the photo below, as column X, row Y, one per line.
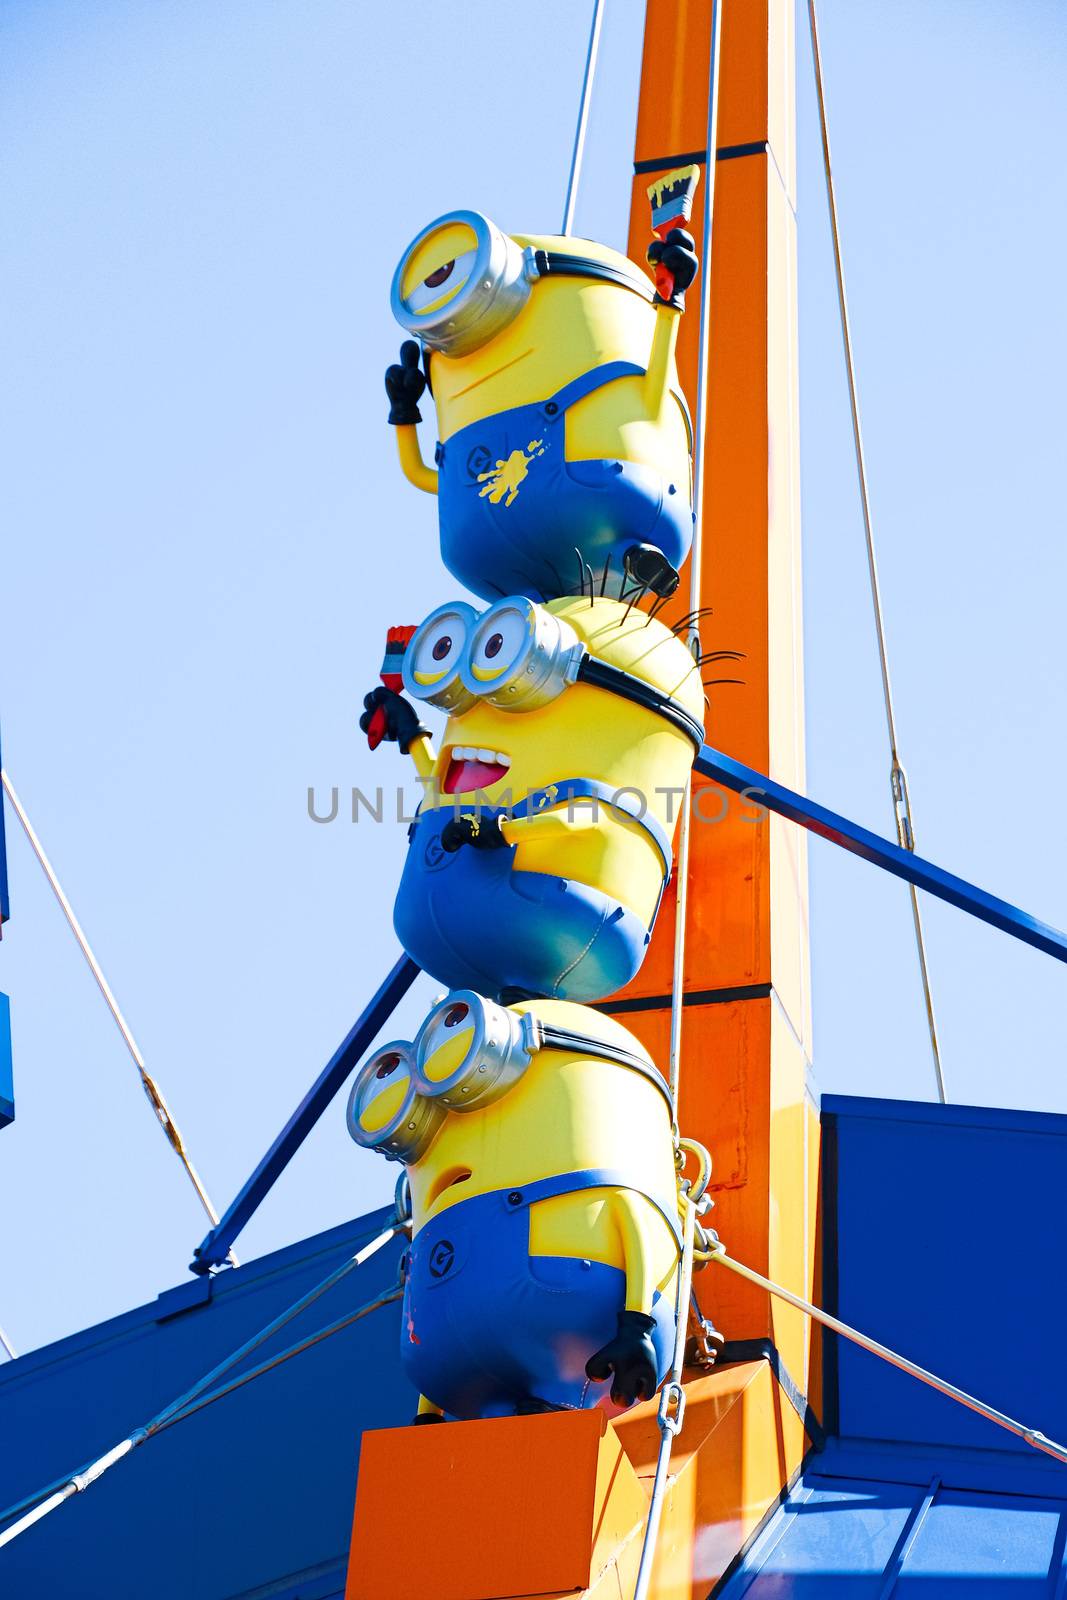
column 747, row 1018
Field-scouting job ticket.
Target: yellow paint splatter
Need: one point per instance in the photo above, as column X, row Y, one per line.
column 502, row 481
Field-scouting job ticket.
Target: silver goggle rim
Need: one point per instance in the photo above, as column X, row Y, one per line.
column 410, row 1131
column 539, row 659
column 495, row 1059
column 449, row 693
column 497, row 288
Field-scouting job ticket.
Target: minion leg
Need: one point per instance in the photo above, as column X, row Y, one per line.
column 428, row 1412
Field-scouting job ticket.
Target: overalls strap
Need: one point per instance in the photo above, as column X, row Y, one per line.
column 585, row 383
column 624, row 800
column 587, row 1178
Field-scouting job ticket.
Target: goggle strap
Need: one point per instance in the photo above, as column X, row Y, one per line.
column 616, row 681
column 552, row 1038
column 549, row 262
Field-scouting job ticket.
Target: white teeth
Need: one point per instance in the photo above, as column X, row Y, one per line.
column 464, row 752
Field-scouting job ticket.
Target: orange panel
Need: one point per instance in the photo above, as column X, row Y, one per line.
column 550, row 1498
column 560, row 1502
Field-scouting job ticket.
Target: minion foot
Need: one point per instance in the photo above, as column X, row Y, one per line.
column 649, row 567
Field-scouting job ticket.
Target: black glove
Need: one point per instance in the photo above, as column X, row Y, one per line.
column 405, row 385
column 629, row 1360
column 401, row 719
column 481, row 833
column 678, row 255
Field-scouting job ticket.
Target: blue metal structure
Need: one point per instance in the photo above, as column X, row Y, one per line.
column 215, row 1247
column 880, row 852
column 857, row 1529
column 249, row 1497
column 942, row 1236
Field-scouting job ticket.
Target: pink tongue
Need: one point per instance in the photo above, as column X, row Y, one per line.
column 464, row 777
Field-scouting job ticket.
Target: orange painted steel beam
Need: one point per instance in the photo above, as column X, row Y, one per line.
column 746, row 1030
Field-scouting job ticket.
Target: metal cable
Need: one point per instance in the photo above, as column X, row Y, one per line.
column 583, row 117
column 50, row 1498
column 1031, row 1436
column 12, row 1353
column 897, row 776
column 148, row 1083
column 671, row 1403
column 700, row 424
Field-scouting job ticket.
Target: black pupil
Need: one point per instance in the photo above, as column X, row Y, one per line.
column 442, row 647
column 454, row 1015
column 387, row 1065
column 440, row 276
column 494, row 644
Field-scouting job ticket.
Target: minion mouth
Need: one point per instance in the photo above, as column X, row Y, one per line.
column 470, row 768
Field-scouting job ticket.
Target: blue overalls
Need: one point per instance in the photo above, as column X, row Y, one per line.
column 473, row 922
column 489, row 1330
column 513, row 510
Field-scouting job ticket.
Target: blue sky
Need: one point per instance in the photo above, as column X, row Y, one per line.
column 204, row 530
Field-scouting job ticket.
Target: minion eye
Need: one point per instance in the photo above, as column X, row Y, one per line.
column 437, row 646
column 443, row 283
column 455, row 1014
column 498, row 642
column 435, row 654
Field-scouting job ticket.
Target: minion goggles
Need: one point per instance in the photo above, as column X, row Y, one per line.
column 519, row 657
column 466, row 301
column 468, row 1053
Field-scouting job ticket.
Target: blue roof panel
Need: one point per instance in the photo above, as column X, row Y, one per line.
column 880, row 1539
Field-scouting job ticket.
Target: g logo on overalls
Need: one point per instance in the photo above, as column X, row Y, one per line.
column 442, row 1257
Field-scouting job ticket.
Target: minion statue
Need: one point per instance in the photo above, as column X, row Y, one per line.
column 538, row 859
column 565, row 441
column 545, row 1217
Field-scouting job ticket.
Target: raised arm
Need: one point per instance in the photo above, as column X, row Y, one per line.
column 675, row 262
column 405, row 385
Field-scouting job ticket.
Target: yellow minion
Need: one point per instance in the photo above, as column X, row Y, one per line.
column 538, row 860
column 537, row 1141
column 565, row 442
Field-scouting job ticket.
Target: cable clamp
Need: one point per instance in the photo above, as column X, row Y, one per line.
column 898, row 780
column 671, row 1408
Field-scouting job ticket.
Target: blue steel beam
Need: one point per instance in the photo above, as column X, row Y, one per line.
column 872, row 847
column 214, row 1249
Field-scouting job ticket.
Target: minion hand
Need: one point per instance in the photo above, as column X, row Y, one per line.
column 677, row 255
column 481, row 833
column 629, row 1360
column 405, row 385
column 401, row 720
